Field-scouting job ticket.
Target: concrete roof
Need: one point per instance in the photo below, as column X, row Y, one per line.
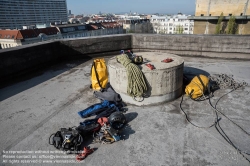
column 37, row 106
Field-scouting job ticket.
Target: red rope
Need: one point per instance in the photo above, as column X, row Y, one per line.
column 84, row 154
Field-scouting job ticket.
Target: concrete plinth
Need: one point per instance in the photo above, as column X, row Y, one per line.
column 164, row 82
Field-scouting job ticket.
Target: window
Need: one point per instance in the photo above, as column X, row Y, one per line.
column 81, row 27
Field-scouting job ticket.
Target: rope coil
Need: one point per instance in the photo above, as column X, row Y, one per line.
column 224, row 81
column 137, row 86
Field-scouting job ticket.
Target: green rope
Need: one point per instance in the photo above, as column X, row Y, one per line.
column 136, row 81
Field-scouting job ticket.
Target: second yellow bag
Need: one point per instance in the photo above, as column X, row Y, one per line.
column 197, row 87
column 99, row 74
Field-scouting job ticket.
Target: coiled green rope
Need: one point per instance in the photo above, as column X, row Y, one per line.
column 137, row 86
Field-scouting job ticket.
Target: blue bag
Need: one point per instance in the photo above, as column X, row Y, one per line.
column 96, row 109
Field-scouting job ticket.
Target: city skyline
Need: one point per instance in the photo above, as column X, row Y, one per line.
column 139, row 6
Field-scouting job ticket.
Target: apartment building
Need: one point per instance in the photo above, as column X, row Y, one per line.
column 175, row 24
column 136, row 26
column 16, row 13
column 13, row 38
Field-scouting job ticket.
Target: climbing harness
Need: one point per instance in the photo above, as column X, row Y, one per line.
column 137, row 86
column 66, row 139
column 110, row 127
column 106, row 135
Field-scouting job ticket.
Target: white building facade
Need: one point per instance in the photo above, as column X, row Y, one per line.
column 176, row 24
column 16, row 13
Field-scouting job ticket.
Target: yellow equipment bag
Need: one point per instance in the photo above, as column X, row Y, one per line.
column 197, row 87
column 99, row 74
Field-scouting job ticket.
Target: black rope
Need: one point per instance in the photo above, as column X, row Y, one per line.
column 225, row 136
column 216, row 123
column 187, row 118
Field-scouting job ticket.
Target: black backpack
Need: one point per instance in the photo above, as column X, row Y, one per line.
column 67, row 140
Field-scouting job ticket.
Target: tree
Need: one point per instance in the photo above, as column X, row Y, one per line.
column 232, row 26
column 179, row 29
column 131, row 31
column 218, row 26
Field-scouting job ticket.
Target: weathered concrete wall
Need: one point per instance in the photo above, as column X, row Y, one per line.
column 244, row 28
column 23, row 59
column 27, row 58
column 30, row 57
column 95, row 45
column 234, row 7
column 222, row 46
column 200, row 26
column 215, row 8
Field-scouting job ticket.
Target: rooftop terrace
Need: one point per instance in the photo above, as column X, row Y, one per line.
column 40, row 102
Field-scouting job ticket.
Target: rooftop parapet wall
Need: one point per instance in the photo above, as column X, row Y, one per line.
column 29, row 57
column 221, row 46
column 22, row 59
column 95, row 45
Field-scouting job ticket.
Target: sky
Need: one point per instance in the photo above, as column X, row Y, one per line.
column 125, row 6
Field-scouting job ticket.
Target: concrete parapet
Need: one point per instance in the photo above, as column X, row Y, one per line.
column 18, row 60
column 95, row 45
column 22, row 59
column 219, row 46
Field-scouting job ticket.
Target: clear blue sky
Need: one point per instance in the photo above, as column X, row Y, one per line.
column 140, row 6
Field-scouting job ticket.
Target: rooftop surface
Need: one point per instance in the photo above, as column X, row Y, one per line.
column 40, row 104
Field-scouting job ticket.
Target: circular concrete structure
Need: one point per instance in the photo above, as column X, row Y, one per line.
column 164, row 82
